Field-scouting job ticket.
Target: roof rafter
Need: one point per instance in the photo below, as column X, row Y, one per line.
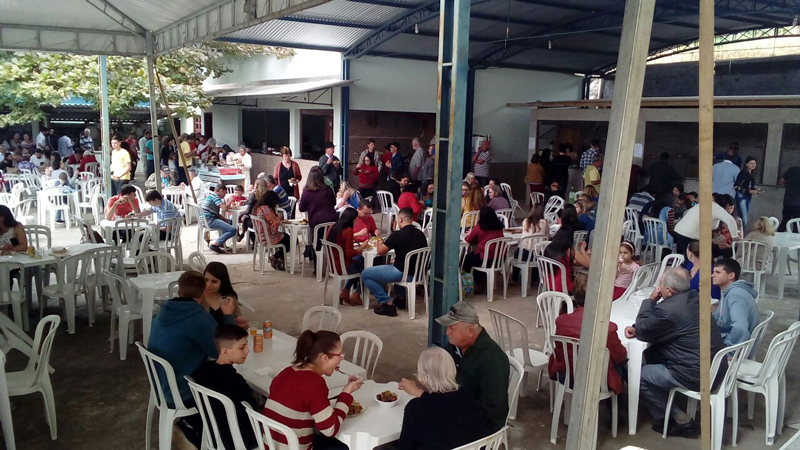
column 113, row 13
column 399, row 24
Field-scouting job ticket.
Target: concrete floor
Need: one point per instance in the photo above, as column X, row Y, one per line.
column 101, row 401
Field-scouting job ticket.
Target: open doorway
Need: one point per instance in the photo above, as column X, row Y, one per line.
column 317, row 128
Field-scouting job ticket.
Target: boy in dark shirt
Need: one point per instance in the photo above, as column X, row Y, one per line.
column 220, row 376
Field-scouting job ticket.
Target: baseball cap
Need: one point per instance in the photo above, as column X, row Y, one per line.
column 460, row 312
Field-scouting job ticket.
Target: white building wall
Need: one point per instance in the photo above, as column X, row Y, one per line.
column 304, row 64
column 392, row 84
column 227, row 123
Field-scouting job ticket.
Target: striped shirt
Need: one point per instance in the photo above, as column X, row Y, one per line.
column 482, row 170
column 299, row 400
column 167, row 210
column 211, row 206
column 640, row 200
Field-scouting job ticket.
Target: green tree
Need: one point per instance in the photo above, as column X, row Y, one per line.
column 32, row 81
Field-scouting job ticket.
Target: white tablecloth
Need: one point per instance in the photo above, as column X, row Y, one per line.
column 375, row 426
column 785, row 243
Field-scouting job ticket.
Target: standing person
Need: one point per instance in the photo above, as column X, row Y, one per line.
column 733, row 152
column 397, row 165
column 429, row 166
column 670, row 320
column 662, row 175
column 86, row 141
column 591, row 175
column 185, row 157
column 51, row 140
column 330, row 164
column 724, row 176
column 367, row 173
column 65, row 146
column 267, row 207
column 587, row 157
column 143, row 140
column 403, row 241
column 287, row 173
column 417, row 160
column 535, row 176
column 375, row 154
column 133, row 156
column 212, row 207
column 318, row 201
column 791, row 197
column 120, row 165
column 559, row 170
column 299, row 397
column 149, row 154
column 745, row 187
column 41, row 139
column 481, row 161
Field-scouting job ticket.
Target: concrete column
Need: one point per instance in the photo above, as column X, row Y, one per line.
column 641, row 127
column 337, row 123
column 295, row 129
column 533, row 133
column 772, row 155
column 187, row 125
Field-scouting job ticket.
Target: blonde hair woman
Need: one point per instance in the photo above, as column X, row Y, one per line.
column 344, row 197
column 763, row 231
column 464, row 419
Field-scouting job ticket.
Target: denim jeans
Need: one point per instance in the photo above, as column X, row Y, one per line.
column 656, row 383
column 228, row 231
column 375, row 277
column 356, row 267
column 743, row 204
column 150, row 167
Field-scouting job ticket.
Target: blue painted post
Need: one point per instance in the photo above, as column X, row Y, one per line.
column 345, row 111
column 451, row 115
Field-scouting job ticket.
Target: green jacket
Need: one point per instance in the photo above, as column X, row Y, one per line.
column 483, row 370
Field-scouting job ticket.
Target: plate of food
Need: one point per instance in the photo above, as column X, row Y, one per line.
column 386, row 399
column 58, row 250
column 356, row 409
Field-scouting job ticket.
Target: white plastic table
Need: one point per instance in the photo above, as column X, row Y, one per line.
column 370, row 254
column 623, row 313
column 375, row 426
column 107, row 226
column 784, row 243
column 261, row 368
column 294, row 228
column 148, row 287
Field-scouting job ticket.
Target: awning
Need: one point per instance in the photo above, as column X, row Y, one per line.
column 275, row 88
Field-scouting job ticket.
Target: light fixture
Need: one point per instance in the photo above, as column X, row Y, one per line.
column 416, row 28
column 794, row 21
column 549, row 45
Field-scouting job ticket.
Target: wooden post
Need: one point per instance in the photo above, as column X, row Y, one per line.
column 705, row 159
column 105, row 127
column 634, row 43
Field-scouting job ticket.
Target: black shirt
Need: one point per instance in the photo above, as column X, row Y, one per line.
column 559, row 168
column 224, row 379
column 403, row 241
column 744, row 184
column 791, row 179
column 458, row 417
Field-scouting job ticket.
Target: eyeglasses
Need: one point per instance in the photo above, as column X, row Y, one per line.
column 340, row 355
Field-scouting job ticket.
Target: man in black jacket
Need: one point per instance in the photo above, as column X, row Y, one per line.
column 670, row 321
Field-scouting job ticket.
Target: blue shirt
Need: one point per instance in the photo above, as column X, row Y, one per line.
column 724, row 178
column 283, row 199
column 149, row 146
column 167, row 210
column 694, row 285
column 211, row 206
column 398, row 164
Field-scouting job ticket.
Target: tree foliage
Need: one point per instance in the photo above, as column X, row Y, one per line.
column 32, row 81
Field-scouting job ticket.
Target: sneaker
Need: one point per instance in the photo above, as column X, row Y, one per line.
column 685, row 430
column 216, row 248
column 386, row 310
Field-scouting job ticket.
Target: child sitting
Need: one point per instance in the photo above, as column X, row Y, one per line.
column 220, row 376
column 626, row 267
column 237, row 198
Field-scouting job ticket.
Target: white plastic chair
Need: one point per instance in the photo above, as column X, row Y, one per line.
column 631, row 234
column 56, row 200
column 488, row 443
column 536, row 198
column 172, row 241
column 15, row 298
column 499, row 248
column 319, row 230
column 264, row 247
column 768, row 378
column 155, row 262
column 203, row 226
column 197, row 261
column 139, row 194
column 177, row 196
column 548, row 268
column 569, row 347
column 508, row 214
column 526, row 264
column 735, row 354
column 230, row 189
column 102, row 259
column 764, row 318
column 414, row 275
column 751, row 256
column 512, row 336
column 329, row 318
column 138, row 242
column 263, row 428
column 38, row 236
column 669, row 262
column 578, row 237
column 332, row 254
column 386, row 203
column 427, row 218
column 516, row 373
column 125, row 307
column 93, row 167
column 36, row 376
column 212, row 439
column 6, row 422
column 367, row 349
column 553, row 206
column 71, row 276
column 468, row 220
column 157, row 369
column 655, row 236
column 550, row 304
column 87, row 192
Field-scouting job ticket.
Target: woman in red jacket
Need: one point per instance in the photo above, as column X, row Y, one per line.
column 367, row 173
column 341, row 234
column 287, row 173
column 489, row 227
column 408, row 199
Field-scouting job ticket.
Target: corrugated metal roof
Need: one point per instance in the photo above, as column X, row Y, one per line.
column 299, row 34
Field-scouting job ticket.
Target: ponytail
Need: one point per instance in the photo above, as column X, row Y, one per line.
column 311, row 345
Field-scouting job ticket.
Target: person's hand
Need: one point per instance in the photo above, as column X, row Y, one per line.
column 377, row 233
column 241, row 321
column 656, row 295
column 362, row 232
column 410, row 387
column 227, row 306
column 353, row 384
column 582, row 246
column 7, row 247
column 363, row 246
column 630, row 332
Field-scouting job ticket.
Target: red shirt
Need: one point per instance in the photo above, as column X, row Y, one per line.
column 480, row 237
column 567, row 262
column 345, row 241
column 86, row 160
column 123, row 209
column 367, row 222
column 367, row 176
column 409, row 200
column 73, row 160
column 570, row 325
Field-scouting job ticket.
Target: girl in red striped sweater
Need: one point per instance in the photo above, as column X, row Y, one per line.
column 298, row 396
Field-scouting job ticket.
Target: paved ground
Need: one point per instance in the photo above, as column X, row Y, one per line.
column 101, row 401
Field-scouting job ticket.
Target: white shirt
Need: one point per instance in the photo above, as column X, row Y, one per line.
column 40, row 140
column 689, row 225
column 38, row 162
column 197, row 185
column 246, row 161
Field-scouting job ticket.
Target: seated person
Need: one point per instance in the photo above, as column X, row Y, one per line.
column 496, row 198
column 365, row 227
column 585, row 220
column 123, row 205
column 459, row 418
column 560, row 249
column 692, row 264
column 570, row 325
column 408, row 199
column 212, row 207
column 407, row 239
column 183, row 334
column 299, row 396
column 237, row 198
column 670, row 321
column 88, row 158
column 219, row 292
column 763, row 231
column 166, row 180
column 267, row 207
column 220, row 376
column 488, row 227
column 283, row 198
column 12, row 232
column 626, row 268
column 163, row 209
column 737, row 314
column 341, row 234
column 553, row 189
column 346, row 197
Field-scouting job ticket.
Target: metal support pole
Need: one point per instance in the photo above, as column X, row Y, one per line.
column 105, row 125
column 705, row 160
column 450, row 122
column 636, row 26
column 470, row 111
column 151, row 67
column 345, row 113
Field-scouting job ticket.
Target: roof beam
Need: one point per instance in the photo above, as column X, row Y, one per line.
column 400, row 24
column 226, row 17
column 81, row 41
column 332, row 23
column 113, row 13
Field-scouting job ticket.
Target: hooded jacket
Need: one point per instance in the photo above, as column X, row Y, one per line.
column 183, row 334
column 672, row 325
column 737, row 314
